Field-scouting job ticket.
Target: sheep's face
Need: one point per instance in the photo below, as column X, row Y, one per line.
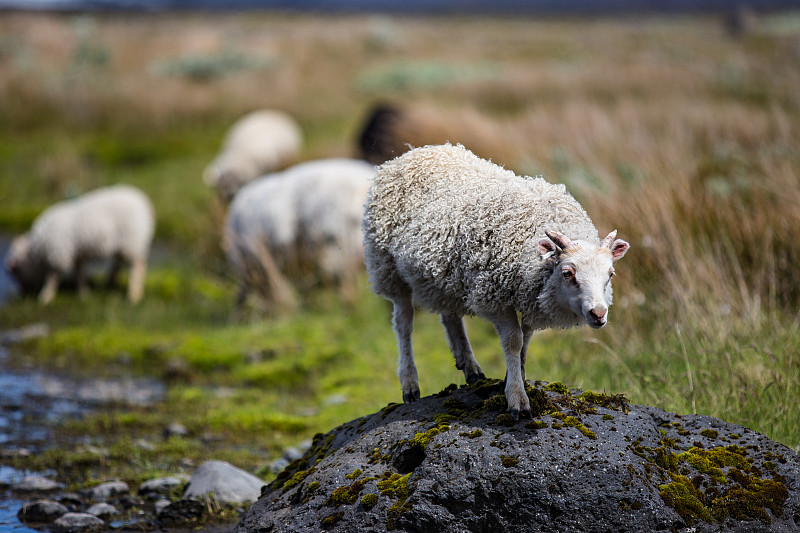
column 582, row 272
column 21, row 264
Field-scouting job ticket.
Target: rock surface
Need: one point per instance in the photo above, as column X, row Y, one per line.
column 41, row 511
column 226, row 483
column 77, row 523
column 36, row 484
column 586, row 463
column 108, row 490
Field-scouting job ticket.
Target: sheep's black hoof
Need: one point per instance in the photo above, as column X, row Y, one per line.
column 477, row 376
column 514, row 413
column 527, row 414
column 412, row 396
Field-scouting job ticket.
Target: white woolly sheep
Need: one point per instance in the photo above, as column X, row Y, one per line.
column 460, row 236
column 302, row 224
column 260, row 142
column 115, row 223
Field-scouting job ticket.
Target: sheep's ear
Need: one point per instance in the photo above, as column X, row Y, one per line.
column 618, row 249
column 561, row 240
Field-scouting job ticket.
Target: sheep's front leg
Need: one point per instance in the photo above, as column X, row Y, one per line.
column 50, row 288
column 403, row 322
column 136, row 282
column 511, row 337
column 461, row 349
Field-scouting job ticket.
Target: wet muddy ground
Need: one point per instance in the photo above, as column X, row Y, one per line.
column 31, row 402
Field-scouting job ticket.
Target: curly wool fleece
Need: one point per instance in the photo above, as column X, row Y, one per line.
column 463, row 233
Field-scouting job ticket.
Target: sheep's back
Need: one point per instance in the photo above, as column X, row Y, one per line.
column 295, row 213
column 461, row 231
column 111, row 220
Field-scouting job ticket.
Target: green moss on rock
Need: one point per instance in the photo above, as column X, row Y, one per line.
column 346, row 495
column 557, row 387
column 354, row 474
column 297, row 478
column 369, row 500
column 495, row 403
column 423, row 439
column 683, row 496
column 710, row 433
column 536, row 424
column 508, row 461
column 330, row 521
column 505, row 419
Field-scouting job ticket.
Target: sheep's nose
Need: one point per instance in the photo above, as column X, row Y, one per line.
column 598, row 313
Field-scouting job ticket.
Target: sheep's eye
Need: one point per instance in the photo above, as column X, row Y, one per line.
column 611, row 274
column 568, row 274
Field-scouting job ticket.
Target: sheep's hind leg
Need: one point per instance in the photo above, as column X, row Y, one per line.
column 527, row 332
column 511, row 337
column 461, row 349
column 403, row 322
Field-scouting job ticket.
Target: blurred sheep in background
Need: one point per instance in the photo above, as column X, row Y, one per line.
column 261, row 142
column 391, row 129
column 113, row 223
column 303, row 225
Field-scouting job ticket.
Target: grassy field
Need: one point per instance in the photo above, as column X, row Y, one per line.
column 683, row 138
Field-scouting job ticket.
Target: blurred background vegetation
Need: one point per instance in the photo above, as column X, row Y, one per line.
column 682, row 136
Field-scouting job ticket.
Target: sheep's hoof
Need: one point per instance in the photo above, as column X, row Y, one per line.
column 477, row 376
column 525, row 413
column 412, row 396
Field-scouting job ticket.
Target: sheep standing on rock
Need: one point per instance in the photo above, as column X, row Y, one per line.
column 302, row 224
column 115, row 223
column 261, row 142
column 461, row 236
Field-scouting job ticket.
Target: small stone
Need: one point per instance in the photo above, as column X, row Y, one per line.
column 293, row 453
column 145, row 445
column 35, row 484
column 41, row 511
column 25, row 333
column 160, row 505
column 106, row 491
column 224, row 482
column 176, row 429
column 162, row 485
column 102, row 510
column 279, row 464
column 71, row 500
column 77, row 523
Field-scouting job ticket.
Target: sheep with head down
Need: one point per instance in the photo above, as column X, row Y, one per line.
column 258, row 143
column 459, row 235
column 113, row 223
column 297, row 229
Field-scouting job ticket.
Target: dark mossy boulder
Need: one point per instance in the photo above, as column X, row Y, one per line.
column 587, row 462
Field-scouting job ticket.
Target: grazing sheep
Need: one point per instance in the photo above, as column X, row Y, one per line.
column 302, row 224
column 260, row 142
column 115, row 223
column 390, row 129
column 461, row 236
